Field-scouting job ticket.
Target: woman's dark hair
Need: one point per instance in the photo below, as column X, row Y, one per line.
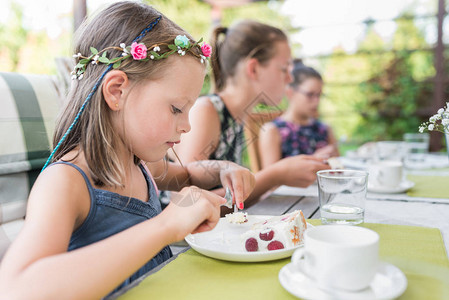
column 246, row 39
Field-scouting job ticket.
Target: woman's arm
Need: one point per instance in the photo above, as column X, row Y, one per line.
column 38, row 266
column 299, row 171
column 330, row 150
column 269, row 145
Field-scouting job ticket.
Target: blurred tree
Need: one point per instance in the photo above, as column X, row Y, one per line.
column 392, row 94
column 374, row 93
column 13, row 37
column 196, row 17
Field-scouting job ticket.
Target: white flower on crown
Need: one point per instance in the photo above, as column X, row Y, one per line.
column 95, row 59
column 156, row 49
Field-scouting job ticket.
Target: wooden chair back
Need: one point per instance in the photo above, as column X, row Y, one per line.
column 253, row 125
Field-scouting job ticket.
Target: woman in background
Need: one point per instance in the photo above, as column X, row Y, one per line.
column 251, row 64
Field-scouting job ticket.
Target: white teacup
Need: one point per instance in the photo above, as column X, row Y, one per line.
column 386, row 173
column 338, row 256
column 390, row 150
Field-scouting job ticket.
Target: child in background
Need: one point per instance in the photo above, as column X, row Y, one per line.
column 94, row 222
column 297, row 130
column 251, row 64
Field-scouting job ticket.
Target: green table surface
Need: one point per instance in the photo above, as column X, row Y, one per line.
column 418, row 251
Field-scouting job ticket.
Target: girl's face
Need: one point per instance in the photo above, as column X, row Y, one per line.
column 276, row 74
column 157, row 111
column 306, row 97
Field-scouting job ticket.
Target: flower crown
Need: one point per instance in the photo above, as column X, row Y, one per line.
column 138, row 51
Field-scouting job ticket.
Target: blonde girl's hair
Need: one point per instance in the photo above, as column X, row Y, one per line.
column 246, row 39
column 119, row 23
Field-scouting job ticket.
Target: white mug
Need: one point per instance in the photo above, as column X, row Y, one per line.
column 390, row 150
column 386, row 173
column 339, row 256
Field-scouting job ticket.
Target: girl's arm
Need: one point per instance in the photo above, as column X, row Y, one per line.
column 269, row 145
column 38, row 266
column 333, row 141
column 330, row 150
column 206, row 174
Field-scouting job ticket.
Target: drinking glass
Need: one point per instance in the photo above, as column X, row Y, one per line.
column 342, row 195
column 417, row 145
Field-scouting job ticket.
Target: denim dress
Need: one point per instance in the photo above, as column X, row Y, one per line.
column 111, row 213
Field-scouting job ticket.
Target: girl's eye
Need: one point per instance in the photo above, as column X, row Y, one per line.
column 176, row 110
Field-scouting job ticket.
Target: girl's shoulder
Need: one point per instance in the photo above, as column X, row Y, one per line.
column 62, row 187
column 279, row 122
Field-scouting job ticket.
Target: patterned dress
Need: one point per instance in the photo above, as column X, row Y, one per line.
column 297, row 139
column 231, row 143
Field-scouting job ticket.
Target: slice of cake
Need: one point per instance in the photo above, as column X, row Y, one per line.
column 276, row 233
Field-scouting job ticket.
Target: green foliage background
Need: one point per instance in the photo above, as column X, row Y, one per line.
column 372, row 94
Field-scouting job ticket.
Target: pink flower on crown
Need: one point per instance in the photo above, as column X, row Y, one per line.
column 138, row 51
column 206, row 49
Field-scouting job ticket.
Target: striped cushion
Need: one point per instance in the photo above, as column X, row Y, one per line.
column 29, row 107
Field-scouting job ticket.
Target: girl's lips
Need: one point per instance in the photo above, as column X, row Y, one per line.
column 171, row 144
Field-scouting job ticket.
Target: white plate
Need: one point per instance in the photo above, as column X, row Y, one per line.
column 401, row 188
column 388, row 283
column 223, row 242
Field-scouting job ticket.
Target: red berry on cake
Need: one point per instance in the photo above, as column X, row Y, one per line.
column 275, row 245
column 266, row 235
column 288, row 230
column 251, row 245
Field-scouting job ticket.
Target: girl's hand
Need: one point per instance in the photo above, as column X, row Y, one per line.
column 192, row 210
column 239, row 179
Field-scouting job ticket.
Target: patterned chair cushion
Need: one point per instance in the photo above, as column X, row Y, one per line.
column 30, row 105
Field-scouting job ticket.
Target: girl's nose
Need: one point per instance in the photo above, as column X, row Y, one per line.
column 184, row 125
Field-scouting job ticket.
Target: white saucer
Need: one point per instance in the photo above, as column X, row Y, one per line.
column 401, row 188
column 388, row 283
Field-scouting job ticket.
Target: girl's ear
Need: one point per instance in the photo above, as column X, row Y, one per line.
column 114, row 85
column 252, row 68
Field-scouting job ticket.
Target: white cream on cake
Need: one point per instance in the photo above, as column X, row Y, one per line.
column 276, row 233
column 237, row 217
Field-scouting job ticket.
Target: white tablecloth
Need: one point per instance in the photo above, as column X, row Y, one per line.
column 398, row 209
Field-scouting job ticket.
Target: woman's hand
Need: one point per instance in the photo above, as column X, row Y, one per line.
column 299, row 170
column 325, row 152
column 192, row 210
column 239, row 179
